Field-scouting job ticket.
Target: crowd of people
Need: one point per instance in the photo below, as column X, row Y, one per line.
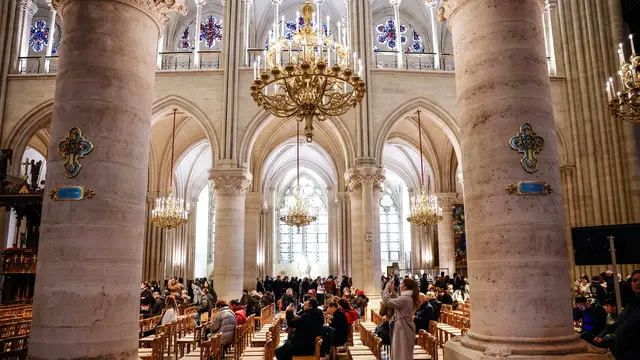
column 598, row 318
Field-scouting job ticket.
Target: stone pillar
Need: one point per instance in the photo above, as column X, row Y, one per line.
column 228, row 265
column 435, row 37
column 247, row 28
column 26, row 10
column 446, row 246
column 196, row 47
column 365, row 186
column 503, row 81
column 253, row 211
column 396, row 17
column 344, row 234
column 86, row 300
column 52, row 31
column 153, row 261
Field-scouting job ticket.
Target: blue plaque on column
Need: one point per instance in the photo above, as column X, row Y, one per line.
column 529, row 188
column 71, row 193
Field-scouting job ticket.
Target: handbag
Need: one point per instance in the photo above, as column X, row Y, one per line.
column 383, row 331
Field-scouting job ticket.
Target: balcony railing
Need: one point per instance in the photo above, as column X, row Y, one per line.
column 183, row 60
column 414, row 61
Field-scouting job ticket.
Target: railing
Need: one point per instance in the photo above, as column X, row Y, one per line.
column 183, row 60
column 38, row 64
column 414, row 61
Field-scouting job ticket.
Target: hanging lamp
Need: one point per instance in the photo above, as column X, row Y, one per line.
column 299, row 213
column 169, row 212
column 424, row 207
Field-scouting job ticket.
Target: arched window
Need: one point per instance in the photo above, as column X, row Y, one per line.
column 39, row 35
column 390, row 234
column 210, row 32
column 309, row 242
column 387, row 39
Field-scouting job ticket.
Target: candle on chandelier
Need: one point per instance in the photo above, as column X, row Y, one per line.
column 297, row 20
column 290, row 52
column 258, row 67
column 608, row 92
column 327, row 33
column 329, row 56
column 355, row 61
column 283, row 30
column 633, row 48
column 265, row 60
column 621, row 54
column 360, row 68
column 621, row 81
column 339, row 31
column 255, row 69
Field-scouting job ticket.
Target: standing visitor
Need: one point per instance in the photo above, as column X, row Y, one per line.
column 628, row 329
column 403, row 330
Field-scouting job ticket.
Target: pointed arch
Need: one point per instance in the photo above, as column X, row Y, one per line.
column 432, row 111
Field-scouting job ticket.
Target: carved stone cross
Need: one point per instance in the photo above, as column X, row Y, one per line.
column 529, row 144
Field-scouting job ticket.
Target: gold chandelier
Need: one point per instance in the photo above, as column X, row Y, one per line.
column 169, row 212
column 624, row 103
column 317, row 80
column 299, row 213
column 424, row 207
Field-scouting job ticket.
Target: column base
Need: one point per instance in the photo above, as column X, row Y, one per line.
column 454, row 350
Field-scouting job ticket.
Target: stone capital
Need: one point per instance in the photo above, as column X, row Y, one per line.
column 446, row 201
column 156, row 9
column 230, row 181
column 432, row 3
column 355, row 178
column 276, row 2
column 29, row 6
column 395, row 2
column 253, row 202
column 449, row 8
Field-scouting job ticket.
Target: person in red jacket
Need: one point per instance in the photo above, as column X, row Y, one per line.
column 241, row 315
column 351, row 313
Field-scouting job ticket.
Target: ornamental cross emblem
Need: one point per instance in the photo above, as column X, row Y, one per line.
column 72, row 148
column 529, row 144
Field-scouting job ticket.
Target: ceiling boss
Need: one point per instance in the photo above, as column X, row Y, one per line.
column 321, row 77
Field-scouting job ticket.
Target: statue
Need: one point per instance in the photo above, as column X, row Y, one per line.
column 5, row 161
column 35, row 173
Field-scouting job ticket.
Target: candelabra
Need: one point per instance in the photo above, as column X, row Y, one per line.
column 624, row 102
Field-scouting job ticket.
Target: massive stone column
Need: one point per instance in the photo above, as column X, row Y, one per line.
column 228, row 266
column 253, row 212
column 446, row 246
column 86, row 300
column 516, row 242
column 364, row 186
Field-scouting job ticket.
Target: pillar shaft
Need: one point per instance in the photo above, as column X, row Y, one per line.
column 228, row 265
column 253, row 211
column 86, row 300
column 52, row 31
column 446, row 246
column 502, row 82
column 196, row 32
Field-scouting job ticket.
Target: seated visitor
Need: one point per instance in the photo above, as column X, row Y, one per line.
column 196, row 290
column 224, row 323
column 253, row 304
column 424, row 314
column 306, row 328
column 628, row 329
column 158, row 304
column 351, row 314
column 597, row 291
column 245, row 297
column 186, row 299
column 170, row 312
column 338, row 321
column 444, row 297
column 607, row 336
column 361, row 302
column 593, row 318
column 206, row 303
column 241, row 315
column 146, row 297
column 174, row 287
column 266, row 299
column 287, row 299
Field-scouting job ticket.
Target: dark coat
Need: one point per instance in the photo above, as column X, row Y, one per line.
column 158, row 305
column 266, row 300
column 598, row 292
column 340, row 324
column 244, row 300
column 628, row 332
column 205, row 304
column 253, row 305
column 286, row 300
column 259, row 287
column 424, row 314
column 306, row 327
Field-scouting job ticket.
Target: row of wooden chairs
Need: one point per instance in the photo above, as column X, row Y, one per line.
column 148, row 324
column 266, row 316
column 165, row 339
column 14, row 348
column 371, row 347
column 243, row 336
column 457, row 321
column 428, row 343
column 269, row 330
column 19, row 328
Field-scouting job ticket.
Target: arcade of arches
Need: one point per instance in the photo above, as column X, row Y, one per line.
column 99, row 65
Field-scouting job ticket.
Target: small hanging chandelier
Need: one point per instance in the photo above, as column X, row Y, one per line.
column 424, row 208
column 309, row 76
column 169, row 212
column 299, row 213
column 624, row 103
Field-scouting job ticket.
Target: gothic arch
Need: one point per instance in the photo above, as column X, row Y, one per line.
column 25, row 128
column 433, row 112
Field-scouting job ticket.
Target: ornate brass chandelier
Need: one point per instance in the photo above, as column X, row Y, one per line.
column 317, row 80
column 424, row 207
column 169, row 212
column 624, row 103
column 299, row 213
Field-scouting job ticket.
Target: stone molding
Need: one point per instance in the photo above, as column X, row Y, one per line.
column 395, row 2
column 354, row 179
column 431, row 3
column 449, row 8
column 568, row 169
column 29, row 6
column 230, row 182
column 253, row 202
column 200, row 2
column 156, row 9
column 447, row 200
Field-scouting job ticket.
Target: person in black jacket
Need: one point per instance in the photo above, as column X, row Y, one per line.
column 306, row 328
column 339, row 323
column 259, row 286
column 593, row 317
column 628, row 329
column 597, row 291
column 253, row 304
column 158, row 304
column 423, row 315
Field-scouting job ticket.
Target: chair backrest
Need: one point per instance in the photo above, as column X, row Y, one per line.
column 317, row 351
column 205, row 349
column 433, row 326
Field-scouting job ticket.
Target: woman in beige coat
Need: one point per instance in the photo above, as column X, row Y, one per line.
column 403, row 335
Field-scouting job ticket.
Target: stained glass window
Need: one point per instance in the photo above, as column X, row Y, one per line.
column 290, row 27
column 310, row 242
column 389, row 228
column 211, row 31
column 387, row 37
column 39, row 35
column 185, row 39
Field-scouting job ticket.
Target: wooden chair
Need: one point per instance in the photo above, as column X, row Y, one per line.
column 316, row 353
column 153, row 353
